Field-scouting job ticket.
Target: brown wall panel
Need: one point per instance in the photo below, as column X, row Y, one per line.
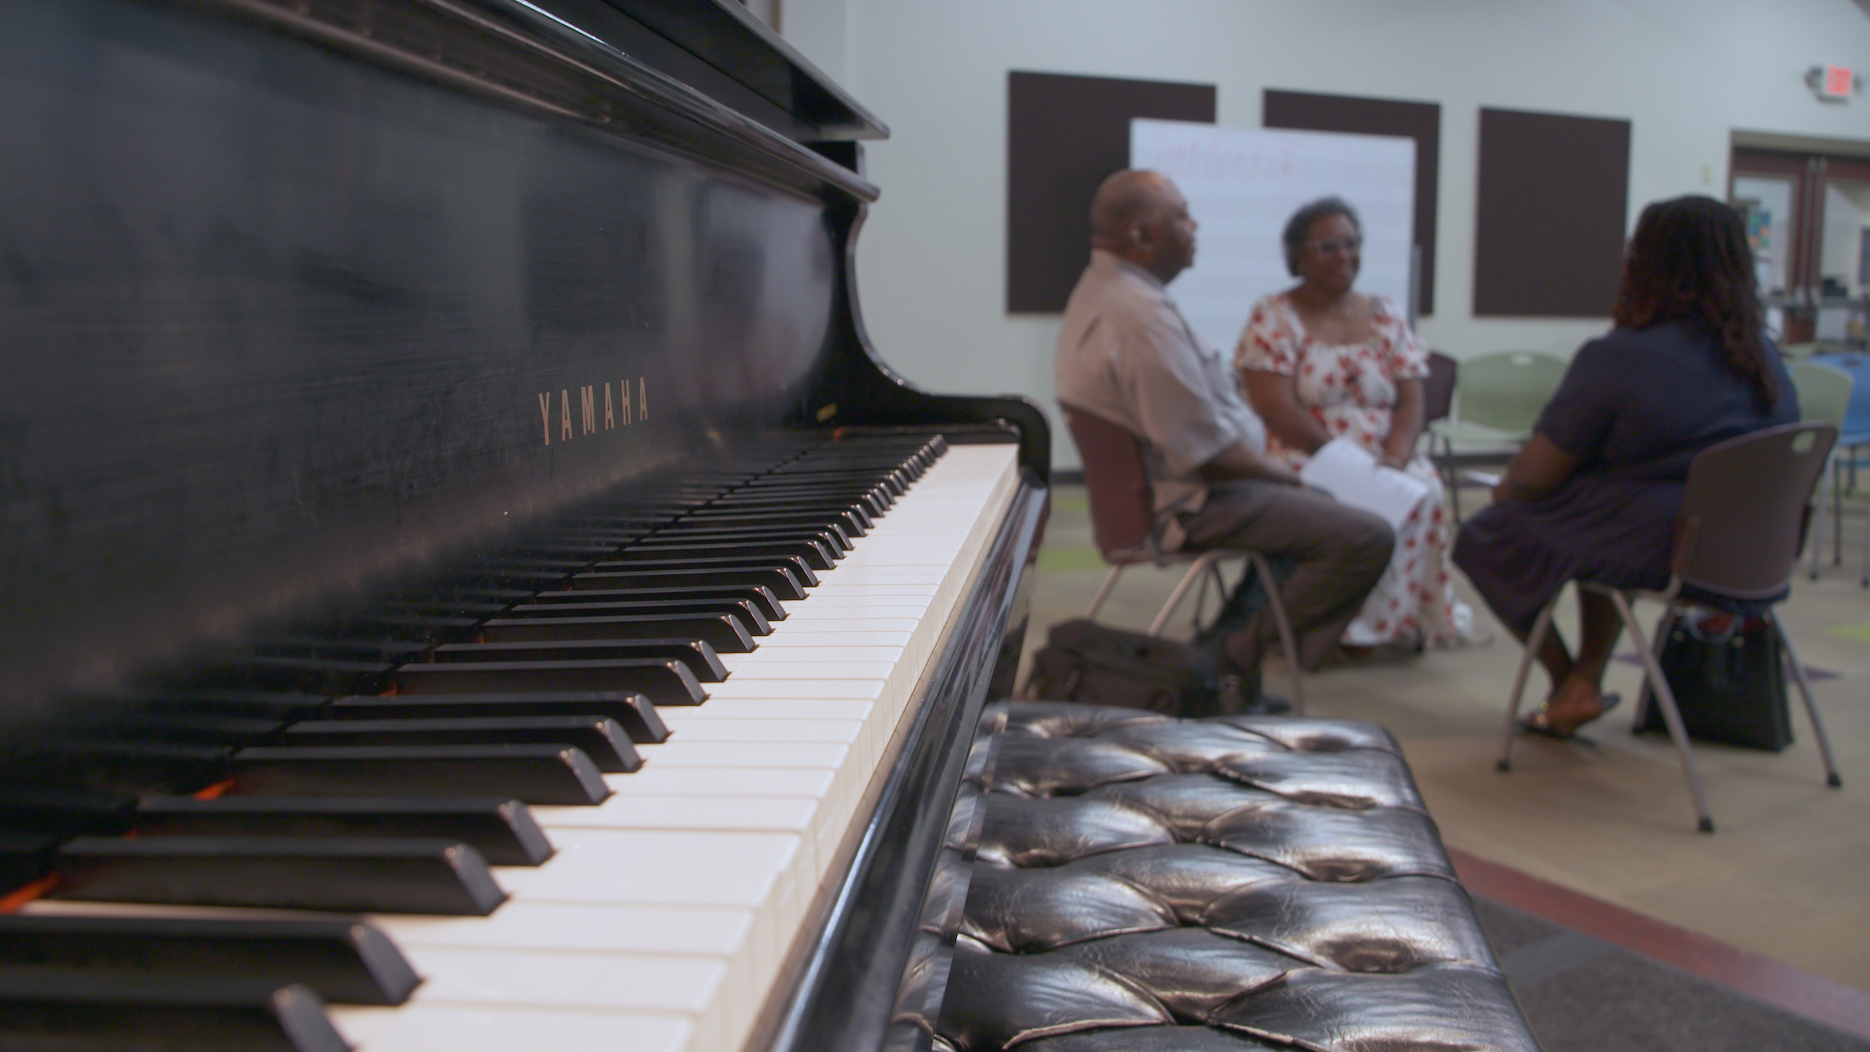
column 1420, row 121
column 1064, row 135
column 1549, row 220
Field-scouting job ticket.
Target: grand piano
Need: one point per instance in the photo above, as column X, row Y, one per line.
column 470, row 581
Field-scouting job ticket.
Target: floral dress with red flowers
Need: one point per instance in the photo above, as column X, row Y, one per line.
column 1351, row 390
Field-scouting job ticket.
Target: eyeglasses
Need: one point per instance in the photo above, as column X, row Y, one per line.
column 1332, row 245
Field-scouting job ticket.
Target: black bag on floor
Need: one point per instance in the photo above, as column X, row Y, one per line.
column 1088, row 662
column 1728, row 680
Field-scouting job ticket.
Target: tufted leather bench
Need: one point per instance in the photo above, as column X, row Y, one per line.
column 1150, row 884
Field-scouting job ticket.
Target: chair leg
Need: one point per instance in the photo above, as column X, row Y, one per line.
column 1805, row 692
column 1195, row 570
column 1533, row 641
column 1837, row 511
column 1286, row 638
column 1645, row 697
column 1665, row 696
column 1818, row 520
column 1103, row 591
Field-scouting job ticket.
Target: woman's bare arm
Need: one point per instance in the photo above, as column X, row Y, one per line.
column 1539, row 468
column 1275, row 397
column 1405, row 424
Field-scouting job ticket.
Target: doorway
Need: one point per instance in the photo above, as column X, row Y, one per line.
column 1808, row 219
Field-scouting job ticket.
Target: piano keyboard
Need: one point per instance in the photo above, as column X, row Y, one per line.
column 667, row 911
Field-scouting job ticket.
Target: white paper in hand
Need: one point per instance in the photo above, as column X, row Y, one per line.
column 1343, row 469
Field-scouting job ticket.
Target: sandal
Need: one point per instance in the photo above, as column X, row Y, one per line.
column 1540, row 721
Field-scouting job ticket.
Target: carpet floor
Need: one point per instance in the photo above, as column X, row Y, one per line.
column 1581, row 994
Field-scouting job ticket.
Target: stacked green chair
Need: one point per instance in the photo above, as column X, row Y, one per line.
column 1498, row 398
column 1824, row 397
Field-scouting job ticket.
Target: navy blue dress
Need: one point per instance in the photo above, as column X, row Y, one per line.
column 1635, row 406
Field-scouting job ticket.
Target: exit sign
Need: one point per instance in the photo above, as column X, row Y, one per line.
column 1836, row 82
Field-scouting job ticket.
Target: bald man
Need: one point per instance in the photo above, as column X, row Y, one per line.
column 1126, row 354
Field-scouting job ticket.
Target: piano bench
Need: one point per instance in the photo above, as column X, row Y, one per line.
column 1145, row 883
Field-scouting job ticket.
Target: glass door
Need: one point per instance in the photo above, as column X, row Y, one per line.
column 1844, row 254
column 1808, row 221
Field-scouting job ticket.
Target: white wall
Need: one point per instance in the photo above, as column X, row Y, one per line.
column 931, row 261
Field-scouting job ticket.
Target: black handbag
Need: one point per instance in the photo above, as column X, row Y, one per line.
column 1728, row 680
column 1088, row 662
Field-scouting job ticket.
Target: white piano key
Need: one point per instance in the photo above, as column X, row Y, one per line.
column 507, row 1029
column 662, row 921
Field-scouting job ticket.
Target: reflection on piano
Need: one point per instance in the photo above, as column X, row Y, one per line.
column 470, row 582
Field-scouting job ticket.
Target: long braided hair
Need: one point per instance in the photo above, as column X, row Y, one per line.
column 1688, row 261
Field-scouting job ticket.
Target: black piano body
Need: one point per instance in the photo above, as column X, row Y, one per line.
column 304, row 300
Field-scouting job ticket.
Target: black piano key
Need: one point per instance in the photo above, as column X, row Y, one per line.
column 815, row 555
column 192, row 727
column 726, row 633
column 501, row 829
column 55, row 1009
column 780, row 580
column 345, row 960
column 64, row 814
column 584, row 552
column 415, row 627
column 120, row 766
column 873, row 501
column 834, row 539
column 236, row 704
column 481, row 583
column 261, row 672
column 845, row 513
column 896, row 480
column 347, row 875
column 700, row 658
column 537, row 774
column 728, row 520
column 489, row 608
column 663, row 682
column 762, row 599
column 25, row 857
column 600, row 738
column 633, row 711
column 345, row 647
column 857, row 502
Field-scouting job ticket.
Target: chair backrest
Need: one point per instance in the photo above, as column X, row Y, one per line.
column 1824, row 392
column 1857, row 413
column 1744, row 507
column 1123, row 507
column 1507, row 389
column 1438, row 389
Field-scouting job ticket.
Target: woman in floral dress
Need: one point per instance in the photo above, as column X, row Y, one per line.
column 1320, row 361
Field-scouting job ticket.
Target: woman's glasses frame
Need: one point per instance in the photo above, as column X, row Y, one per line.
column 1329, row 246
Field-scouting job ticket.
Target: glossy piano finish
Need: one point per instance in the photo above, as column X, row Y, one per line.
column 281, row 322
column 318, row 310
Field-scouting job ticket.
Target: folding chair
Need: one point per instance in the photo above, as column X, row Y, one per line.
column 1824, row 398
column 1853, row 435
column 1123, row 521
column 1498, row 397
column 1744, row 513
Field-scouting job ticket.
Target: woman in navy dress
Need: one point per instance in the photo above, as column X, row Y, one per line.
column 1594, row 495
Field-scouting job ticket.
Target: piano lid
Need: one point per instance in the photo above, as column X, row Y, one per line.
column 719, row 47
